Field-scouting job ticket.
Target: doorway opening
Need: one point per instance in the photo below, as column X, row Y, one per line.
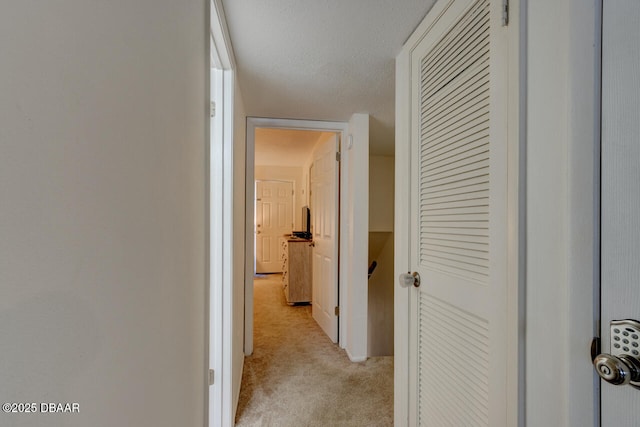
column 296, row 217
column 283, row 150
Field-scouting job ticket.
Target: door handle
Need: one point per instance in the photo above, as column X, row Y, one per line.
column 622, row 366
column 408, row 279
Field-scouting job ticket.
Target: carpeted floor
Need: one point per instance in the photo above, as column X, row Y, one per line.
column 298, row 377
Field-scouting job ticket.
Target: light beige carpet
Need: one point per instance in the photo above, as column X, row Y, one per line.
column 298, row 377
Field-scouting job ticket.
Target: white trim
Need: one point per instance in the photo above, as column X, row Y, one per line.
column 252, row 124
column 355, row 359
column 219, row 410
column 515, row 214
column 583, row 272
column 583, row 226
column 355, row 229
column 214, row 314
column 229, row 400
column 563, row 242
column 401, row 240
column 518, row 194
column 221, row 50
column 220, row 263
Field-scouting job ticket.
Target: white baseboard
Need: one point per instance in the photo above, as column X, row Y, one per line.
column 355, row 358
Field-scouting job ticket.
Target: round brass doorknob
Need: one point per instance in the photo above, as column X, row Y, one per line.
column 617, row 370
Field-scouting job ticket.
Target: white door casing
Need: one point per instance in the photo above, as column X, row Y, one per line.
column 324, row 223
column 350, row 237
column 274, row 218
column 460, row 336
column 620, row 198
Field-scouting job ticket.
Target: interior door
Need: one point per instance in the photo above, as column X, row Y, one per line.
column 620, row 233
column 274, row 217
column 459, row 217
column 324, row 215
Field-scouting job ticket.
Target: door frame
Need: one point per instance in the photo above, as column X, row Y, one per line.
column 293, row 211
column 219, row 399
column 562, row 129
column 515, row 216
column 341, row 128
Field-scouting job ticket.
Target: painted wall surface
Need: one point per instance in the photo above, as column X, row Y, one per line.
column 287, row 173
column 562, row 134
column 381, row 192
column 103, row 124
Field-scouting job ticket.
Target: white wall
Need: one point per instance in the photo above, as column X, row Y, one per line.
column 102, row 221
column 381, row 192
column 562, row 133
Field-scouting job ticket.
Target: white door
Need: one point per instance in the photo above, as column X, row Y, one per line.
column 620, row 269
column 274, row 218
column 324, row 215
column 460, row 351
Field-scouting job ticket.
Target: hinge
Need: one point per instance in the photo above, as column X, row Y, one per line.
column 337, row 156
column 337, row 311
column 505, row 13
column 210, row 376
column 213, row 109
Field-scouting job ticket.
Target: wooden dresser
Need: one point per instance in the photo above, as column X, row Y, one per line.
column 296, row 269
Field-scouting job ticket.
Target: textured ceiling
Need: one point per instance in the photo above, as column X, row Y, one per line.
column 322, row 59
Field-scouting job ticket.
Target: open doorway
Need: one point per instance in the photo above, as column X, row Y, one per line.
column 353, row 166
column 303, row 183
column 296, row 217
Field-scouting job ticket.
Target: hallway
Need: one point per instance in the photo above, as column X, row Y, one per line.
column 297, row 377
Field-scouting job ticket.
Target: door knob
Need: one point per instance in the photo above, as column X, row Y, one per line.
column 622, row 366
column 617, row 370
column 408, row 279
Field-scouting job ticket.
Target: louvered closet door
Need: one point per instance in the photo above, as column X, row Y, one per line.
column 458, row 200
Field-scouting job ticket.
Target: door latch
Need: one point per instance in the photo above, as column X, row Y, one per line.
column 622, row 365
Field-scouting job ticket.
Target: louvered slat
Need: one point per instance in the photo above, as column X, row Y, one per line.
column 452, row 54
column 457, row 339
column 454, row 148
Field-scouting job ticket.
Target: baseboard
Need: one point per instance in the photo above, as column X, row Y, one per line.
column 355, row 358
column 236, row 398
